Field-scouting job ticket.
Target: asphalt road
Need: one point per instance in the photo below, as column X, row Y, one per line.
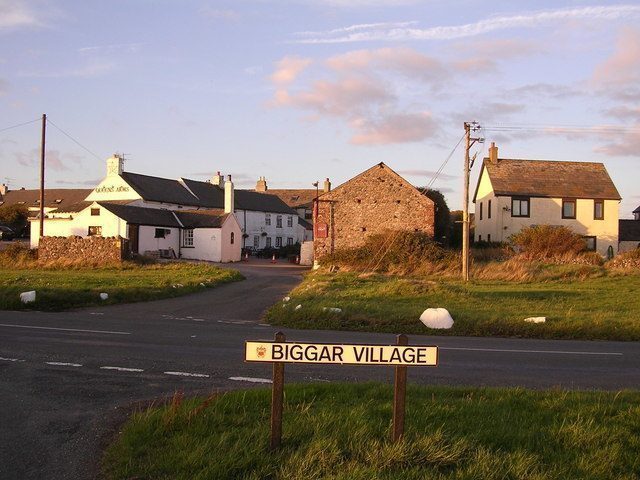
column 68, row 378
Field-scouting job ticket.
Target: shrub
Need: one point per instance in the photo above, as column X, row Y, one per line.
column 547, row 242
column 17, row 255
column 14, row 215
column 629, row 259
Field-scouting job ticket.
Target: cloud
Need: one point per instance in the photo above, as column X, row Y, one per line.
column 4, row 87
column 16, row 14
column 219, row 14
column 288, row 69
column 484, row 55
column 84, row 183
column 626, row 144
column 623, row 66
column 54, row 160
column 428, row 173
column 89, row 70
column 549, row 90
column 114, row 48
column 624, row 112
column 394, row 128
column 491, row 24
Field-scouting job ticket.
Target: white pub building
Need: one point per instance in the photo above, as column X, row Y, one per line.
column 177, row 218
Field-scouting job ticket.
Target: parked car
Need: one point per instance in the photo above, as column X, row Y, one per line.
column 6, row 233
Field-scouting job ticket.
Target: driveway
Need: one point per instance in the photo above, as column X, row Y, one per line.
column 67, row 377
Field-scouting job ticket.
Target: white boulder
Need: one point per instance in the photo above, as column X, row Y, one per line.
column 535, row 319
column 104, row 296
column 28, row 297
column 436, row 318
column 298, row 307
column 332, row 309
column 286, row 299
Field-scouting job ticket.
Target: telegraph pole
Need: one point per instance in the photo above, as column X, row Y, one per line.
column 468, row 128
column 42, row 155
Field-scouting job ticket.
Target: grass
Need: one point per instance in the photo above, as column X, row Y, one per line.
column 62, row 288
column 603, row 307
column 340, row 431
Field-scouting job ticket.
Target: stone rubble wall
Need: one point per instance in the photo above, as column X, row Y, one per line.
column 92, row 250
column 370, row 203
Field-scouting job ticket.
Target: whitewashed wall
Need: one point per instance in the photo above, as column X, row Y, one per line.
column 148, row 242
column 255, row 226
column 206, row 245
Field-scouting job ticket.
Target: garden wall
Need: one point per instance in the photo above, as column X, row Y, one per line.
column 92, row 250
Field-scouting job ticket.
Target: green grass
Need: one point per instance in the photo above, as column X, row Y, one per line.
column 341, row 432
column 603, row 307
column 64, row 288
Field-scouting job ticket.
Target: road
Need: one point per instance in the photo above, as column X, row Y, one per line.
column 69, row 378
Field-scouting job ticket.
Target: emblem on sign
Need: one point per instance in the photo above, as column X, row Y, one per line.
column 260, row 351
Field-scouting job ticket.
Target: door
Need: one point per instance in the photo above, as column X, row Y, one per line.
column 133, row 238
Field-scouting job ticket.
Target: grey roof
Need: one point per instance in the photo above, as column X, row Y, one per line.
column 209, row 195
column 549, row 178
column 305, row 224
column 262, row 202
column 629, row 231
column 60, row 198
column 156, row 217
column 202, row 219
column 637, row 210
column 157, row 189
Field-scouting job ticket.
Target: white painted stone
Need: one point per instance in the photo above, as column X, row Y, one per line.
column 104, row 296
column 536, row 319
column 436, row 318
column 28, row 297
column 286, row 299
column 332, row 309
column 298, row 307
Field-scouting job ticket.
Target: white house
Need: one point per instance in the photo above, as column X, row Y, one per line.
column 512, row 194
column 186, row 218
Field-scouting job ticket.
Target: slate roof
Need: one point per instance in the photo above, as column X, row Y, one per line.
column 209, row 195
column 629, row 231
column 60, row 198
column 547, row 178
column 261, row 202
column 202, row 218
column 295, row 198
column 637, row 210
column 305, row 224
column 157, row 189
column 156, row 217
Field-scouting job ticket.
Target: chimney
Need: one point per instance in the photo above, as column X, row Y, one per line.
column 229, row 200
column 493, row 153
column 261, row 185
column 327, row 186
column 115, row 165
column 217, row 180
column 4, row 189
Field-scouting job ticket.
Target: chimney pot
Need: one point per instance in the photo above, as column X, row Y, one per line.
column 493, row 153
column 229, row 196
column 327, row 186
column 261, row 185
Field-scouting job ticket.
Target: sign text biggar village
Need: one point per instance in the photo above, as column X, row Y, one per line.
column 341, row 354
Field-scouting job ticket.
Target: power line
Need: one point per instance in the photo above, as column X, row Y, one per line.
column 552, row 129
column 73, row 139
column 20, row 125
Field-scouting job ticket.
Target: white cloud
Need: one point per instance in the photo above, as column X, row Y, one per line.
column 114, row 48
column 219, row 14
column 288, row 69
column 93, row 69
column 16, row 14
column 491, row 24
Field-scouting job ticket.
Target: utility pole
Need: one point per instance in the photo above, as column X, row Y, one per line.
column 42, row 145
column 468, row 128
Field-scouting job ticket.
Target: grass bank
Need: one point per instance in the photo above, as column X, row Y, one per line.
column 603, row 307
column 62, row 288
column 340, row 432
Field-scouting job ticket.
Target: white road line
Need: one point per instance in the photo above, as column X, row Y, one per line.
column 122, row 369
column 64, row 364
column 11, row 359
column 557, row 352
column 64, row 329
column 187, row 374
column 251, row 379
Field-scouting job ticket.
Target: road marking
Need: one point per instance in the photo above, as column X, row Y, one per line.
column 187, row 374
column 64, row 329
column 251, row 379
column 64, row 364
column 122, row 369
column 557, row 352
column 11, row 359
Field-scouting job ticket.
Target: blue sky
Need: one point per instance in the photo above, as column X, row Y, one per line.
column 301, row 90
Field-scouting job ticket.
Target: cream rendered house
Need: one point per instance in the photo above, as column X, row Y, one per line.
column 513, row 194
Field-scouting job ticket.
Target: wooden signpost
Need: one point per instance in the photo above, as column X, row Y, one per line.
column 399, row 356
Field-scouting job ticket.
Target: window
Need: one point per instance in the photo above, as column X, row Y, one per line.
column 520, row 207
column 95, row 231
column 489, row 237
column 256, row 241
column 160, row 233
column 308, row 215
column 95, row 212
column 187, row 237
column 278, row 242
column 479, row 238
column 289, row 221
column 489, row 209
column 591, row 243
column 598, row 209
column 233, row 237
column 267, row 219
column 480, row 210
column 278, row 221
column 289, row 241
column 268, row 242
column 568, row 208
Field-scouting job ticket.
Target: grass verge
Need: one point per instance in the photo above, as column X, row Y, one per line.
column 71, row 287
column 340, row 431
column 604, row 307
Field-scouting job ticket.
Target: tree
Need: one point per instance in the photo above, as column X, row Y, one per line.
column 15, row 216
column 442, row 214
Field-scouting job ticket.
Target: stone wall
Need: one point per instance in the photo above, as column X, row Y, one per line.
column 374, row 201
column 92, row 250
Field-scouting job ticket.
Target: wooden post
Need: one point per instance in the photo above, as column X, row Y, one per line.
column 399, row 395
column 42, row 158
column 277, row 398
column 465, row 205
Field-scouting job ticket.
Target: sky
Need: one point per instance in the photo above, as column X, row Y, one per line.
column 302, row 90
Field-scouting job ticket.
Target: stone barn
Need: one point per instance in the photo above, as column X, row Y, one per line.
column 376, row 200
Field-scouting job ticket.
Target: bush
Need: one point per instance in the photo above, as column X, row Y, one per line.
column 17, row 255
column 626, row 260
column 548, row 242
column 15, row 216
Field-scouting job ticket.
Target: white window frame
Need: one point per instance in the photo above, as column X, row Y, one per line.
column 278, row 221
column 289, row 221
column 187, row 237
column 267, row 219
column 278, row 242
